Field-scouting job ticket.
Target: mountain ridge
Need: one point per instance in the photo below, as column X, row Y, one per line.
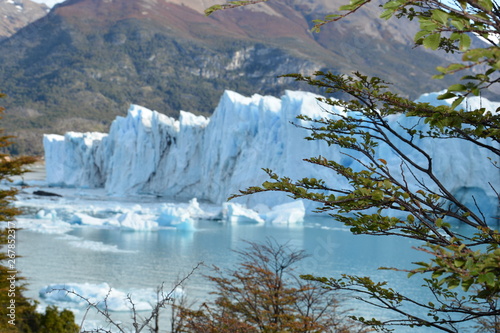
column 81, row 65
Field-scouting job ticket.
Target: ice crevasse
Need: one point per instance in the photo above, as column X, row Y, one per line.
column 211, row 158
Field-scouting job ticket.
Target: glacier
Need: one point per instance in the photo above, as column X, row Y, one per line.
column 212, row 158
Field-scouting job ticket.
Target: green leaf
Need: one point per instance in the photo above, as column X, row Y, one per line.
column 377, row 195
column 446, row 95
column 419, row 35
column 453, row 283
column 457, row 87
column 459, row 24
column 387, row 14
column 436, row 275
column 392, row 5
column 457, row 102
column 432, row 41
column 455, row 35
column 466, row 284
column 428, row 25
column 487, row 4
column 212, row 9
column 464, row 42
column 490, row 279
column 347, row 7
column 440, row 16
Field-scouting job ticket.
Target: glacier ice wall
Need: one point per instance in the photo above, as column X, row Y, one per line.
column 210, row 159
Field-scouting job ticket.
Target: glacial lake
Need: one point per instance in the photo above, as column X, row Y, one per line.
column 137, row 262
column 142, row 260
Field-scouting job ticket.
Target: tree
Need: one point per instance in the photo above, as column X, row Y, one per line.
column 407, row 198
column 264, row 294
column 18, row 313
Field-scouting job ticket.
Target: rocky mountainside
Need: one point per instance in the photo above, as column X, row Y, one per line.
column 16, row 14
column 87, row 60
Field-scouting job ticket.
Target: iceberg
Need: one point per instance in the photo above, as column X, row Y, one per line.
column 212, row 158
column 288, row 213
column 134, row 221
column 101, row 294
column 44, row 226
column 89, row 245
column 284, row 214
column 65, row 214
column 235, row 213
column 182, row 218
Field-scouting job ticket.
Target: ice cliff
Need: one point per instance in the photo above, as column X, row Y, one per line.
column 210, row 159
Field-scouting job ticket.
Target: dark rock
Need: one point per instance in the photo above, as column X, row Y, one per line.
column 46, row 194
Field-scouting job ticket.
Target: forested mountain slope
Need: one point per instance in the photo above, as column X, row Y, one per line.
column 87, row 60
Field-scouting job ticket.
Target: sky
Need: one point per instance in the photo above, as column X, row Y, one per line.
column 49, row 3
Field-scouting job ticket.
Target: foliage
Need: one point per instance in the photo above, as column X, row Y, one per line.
column 55, row 321
column 407, row 198
column 18, row 313
column 264, row 294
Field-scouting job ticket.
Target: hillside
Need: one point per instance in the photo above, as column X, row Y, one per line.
column 16, row 14
column 87, row 60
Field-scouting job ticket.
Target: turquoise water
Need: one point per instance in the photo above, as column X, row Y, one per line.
column 146, row 259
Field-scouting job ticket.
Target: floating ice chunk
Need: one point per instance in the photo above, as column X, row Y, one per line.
column 261, row 208
column 180, row 217
column 195, row 210
column 116, row 300
column 289, row 213
column 97, row 246
column 46, row 215
column 171, row 215
column 134, row 221
column 175, row 216
column 81, row 243
column 236, row 213
column 44, row 226
column 84, row 219
column 187, row 225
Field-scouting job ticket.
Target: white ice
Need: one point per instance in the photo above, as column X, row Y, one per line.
column 74, row 295
column 237, row 213
column 288, row 213
column 180, row 217
column 82, row 243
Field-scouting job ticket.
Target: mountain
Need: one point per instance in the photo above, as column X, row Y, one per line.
column 81, row 65
column 210, row 159
column 17, row 14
